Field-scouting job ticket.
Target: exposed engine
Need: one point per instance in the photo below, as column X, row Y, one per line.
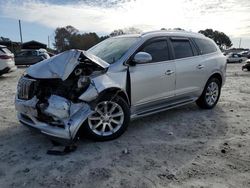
column 55, row 96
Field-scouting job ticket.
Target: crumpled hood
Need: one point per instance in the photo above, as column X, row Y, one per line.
column 61, row 65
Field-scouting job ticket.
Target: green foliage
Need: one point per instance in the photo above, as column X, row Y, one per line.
column 220, row 38
column 69, row 38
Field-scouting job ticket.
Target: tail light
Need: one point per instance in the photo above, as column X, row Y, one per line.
column 5, row 57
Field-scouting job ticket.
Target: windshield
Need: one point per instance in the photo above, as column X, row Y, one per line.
column 113, row 49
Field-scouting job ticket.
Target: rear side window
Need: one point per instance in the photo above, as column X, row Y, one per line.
column 182, row 48
column 5, row 50
column 205, row 46
column 158, row 50
column 24, row 53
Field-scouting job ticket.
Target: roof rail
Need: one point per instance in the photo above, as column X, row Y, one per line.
column 172, row 30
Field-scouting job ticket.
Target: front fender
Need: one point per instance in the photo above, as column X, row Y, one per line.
column 105, row 82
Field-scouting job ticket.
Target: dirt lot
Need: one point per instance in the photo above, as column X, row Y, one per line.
column 183, row 147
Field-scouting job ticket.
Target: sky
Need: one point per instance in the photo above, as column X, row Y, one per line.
column 40, row 18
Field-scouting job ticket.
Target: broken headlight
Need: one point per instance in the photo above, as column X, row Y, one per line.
column 83, row 81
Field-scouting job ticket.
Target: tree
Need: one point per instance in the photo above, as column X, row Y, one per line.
column 70, row 38
column 3, row 39
column 220, row 38
column 116, row 33
column 63, row 37
column 129, row 30
column 179, row 29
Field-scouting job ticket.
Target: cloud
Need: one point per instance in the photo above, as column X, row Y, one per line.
column 103, row 16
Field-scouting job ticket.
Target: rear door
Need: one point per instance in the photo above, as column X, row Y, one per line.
column 190, row 71
column 153, row 81
column 34, row 57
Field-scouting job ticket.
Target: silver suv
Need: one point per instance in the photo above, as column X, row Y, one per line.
column 126, row 77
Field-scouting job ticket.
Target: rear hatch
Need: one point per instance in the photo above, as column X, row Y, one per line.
column 6, row 54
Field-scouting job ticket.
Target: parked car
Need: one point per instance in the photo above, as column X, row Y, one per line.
column 245, row 54
column 246, row 66
column 30, row 57
column 7, row 63
column 122, row 78
column 234, row 58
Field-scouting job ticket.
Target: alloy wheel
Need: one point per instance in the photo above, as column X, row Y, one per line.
column 107, row 118
column 212, row 93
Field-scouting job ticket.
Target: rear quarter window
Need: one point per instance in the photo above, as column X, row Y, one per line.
column 205, row 46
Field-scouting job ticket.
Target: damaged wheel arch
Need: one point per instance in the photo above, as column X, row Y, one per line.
column 114, row 91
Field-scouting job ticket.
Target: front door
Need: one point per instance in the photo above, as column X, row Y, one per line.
column 153, row 81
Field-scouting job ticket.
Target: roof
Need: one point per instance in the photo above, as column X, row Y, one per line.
column 33, row 41
column 33, row 45
column 156, row 33
column 173, row 33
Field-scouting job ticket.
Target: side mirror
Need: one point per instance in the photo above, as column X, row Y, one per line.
column 142, row 57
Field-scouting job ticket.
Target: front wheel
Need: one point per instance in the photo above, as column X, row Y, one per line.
column 210, row 95
column 109, row 120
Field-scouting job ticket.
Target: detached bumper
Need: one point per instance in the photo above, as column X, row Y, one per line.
column 55, row 133
column 28, row 116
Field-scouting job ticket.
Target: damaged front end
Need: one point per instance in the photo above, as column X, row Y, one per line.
column 54, row 96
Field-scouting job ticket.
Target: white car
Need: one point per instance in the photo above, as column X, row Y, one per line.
column 7, row 63
column 234, row 58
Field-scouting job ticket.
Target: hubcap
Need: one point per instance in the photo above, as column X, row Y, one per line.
column 107, row 118
column 212, row 93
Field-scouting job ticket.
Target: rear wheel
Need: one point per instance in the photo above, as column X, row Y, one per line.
column 109, row 120
column 210, row 95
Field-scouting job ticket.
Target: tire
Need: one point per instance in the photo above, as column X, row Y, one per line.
column 209, row 93
column 118, row 123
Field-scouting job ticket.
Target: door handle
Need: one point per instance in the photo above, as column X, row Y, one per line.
column 200, row 66
column 169, row 72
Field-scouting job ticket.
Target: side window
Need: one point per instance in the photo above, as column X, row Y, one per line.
column 29, row 53
column 22, row 54
column 34, row 53
column 205, row 46
column 158, row 50
column 182, row 48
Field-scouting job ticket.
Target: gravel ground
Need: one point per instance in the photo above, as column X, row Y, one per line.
column 183, row 147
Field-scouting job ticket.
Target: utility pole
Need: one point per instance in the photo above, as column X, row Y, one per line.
column 20, row 30
column 48, row 42
column 240, row 43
